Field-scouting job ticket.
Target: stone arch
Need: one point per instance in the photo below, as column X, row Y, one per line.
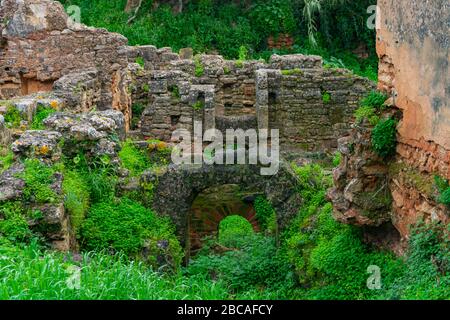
column 178, row 185
column 213, row 205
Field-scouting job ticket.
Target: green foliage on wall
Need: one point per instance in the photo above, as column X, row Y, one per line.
column 13, row 117
column 443, row 187
column 133, row 158
column 76, row 197
column 38, row 178
column 6, row 159
column 199, row 69
column 265, row 214
column 370, row 107
column 13, row 223
column 384, row 137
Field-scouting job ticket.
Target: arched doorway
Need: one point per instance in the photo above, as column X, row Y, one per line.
column 211, row 206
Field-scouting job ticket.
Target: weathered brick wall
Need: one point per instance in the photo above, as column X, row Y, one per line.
column 314, row 107
column 413, row 46
column 310, row 105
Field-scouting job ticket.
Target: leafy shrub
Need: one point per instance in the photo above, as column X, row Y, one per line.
column 99, row 175
column 427, row 265
column 133, row 158
column 257, row 264
column 199, row 69
column 384, row 138
column 370, row 105
column 42, row 113
column 326, row 97
column 140, row 61
column 366, row 112
column 175, row 92
column 265, row 214
column 6, row 159
column 374, row 99
column 76, row 197
column 128, row 227
column 136, row 109
column 38, row 180
column 443, row 187
column 232, row 229
column 13, row 117
column 199, row 105
column 13, row 223
column 337, row 159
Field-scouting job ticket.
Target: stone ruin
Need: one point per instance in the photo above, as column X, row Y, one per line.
column 104, row 88
column 42, row 50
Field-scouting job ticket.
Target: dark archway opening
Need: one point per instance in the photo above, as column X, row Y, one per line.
column 210, row 207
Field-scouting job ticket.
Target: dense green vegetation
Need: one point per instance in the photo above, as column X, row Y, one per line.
column 127, row 251
column 130, row 253
column 329, row 28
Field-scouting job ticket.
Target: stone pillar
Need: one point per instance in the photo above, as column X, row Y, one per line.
column 262, row 99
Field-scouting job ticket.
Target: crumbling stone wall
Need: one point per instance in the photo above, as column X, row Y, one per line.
column 413, row 47
column 40, row 45
column 310, row 105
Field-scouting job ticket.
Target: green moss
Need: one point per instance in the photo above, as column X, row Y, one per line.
column 140, row 61
column 226, row 70
column 199, row 105
column 413, row 177
column 146, row 88
column 326, row 97
column 291, row 72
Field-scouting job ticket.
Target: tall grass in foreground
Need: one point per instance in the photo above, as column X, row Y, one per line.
column 30, row 274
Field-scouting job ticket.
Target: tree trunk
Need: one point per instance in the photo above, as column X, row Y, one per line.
column 131, row 5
